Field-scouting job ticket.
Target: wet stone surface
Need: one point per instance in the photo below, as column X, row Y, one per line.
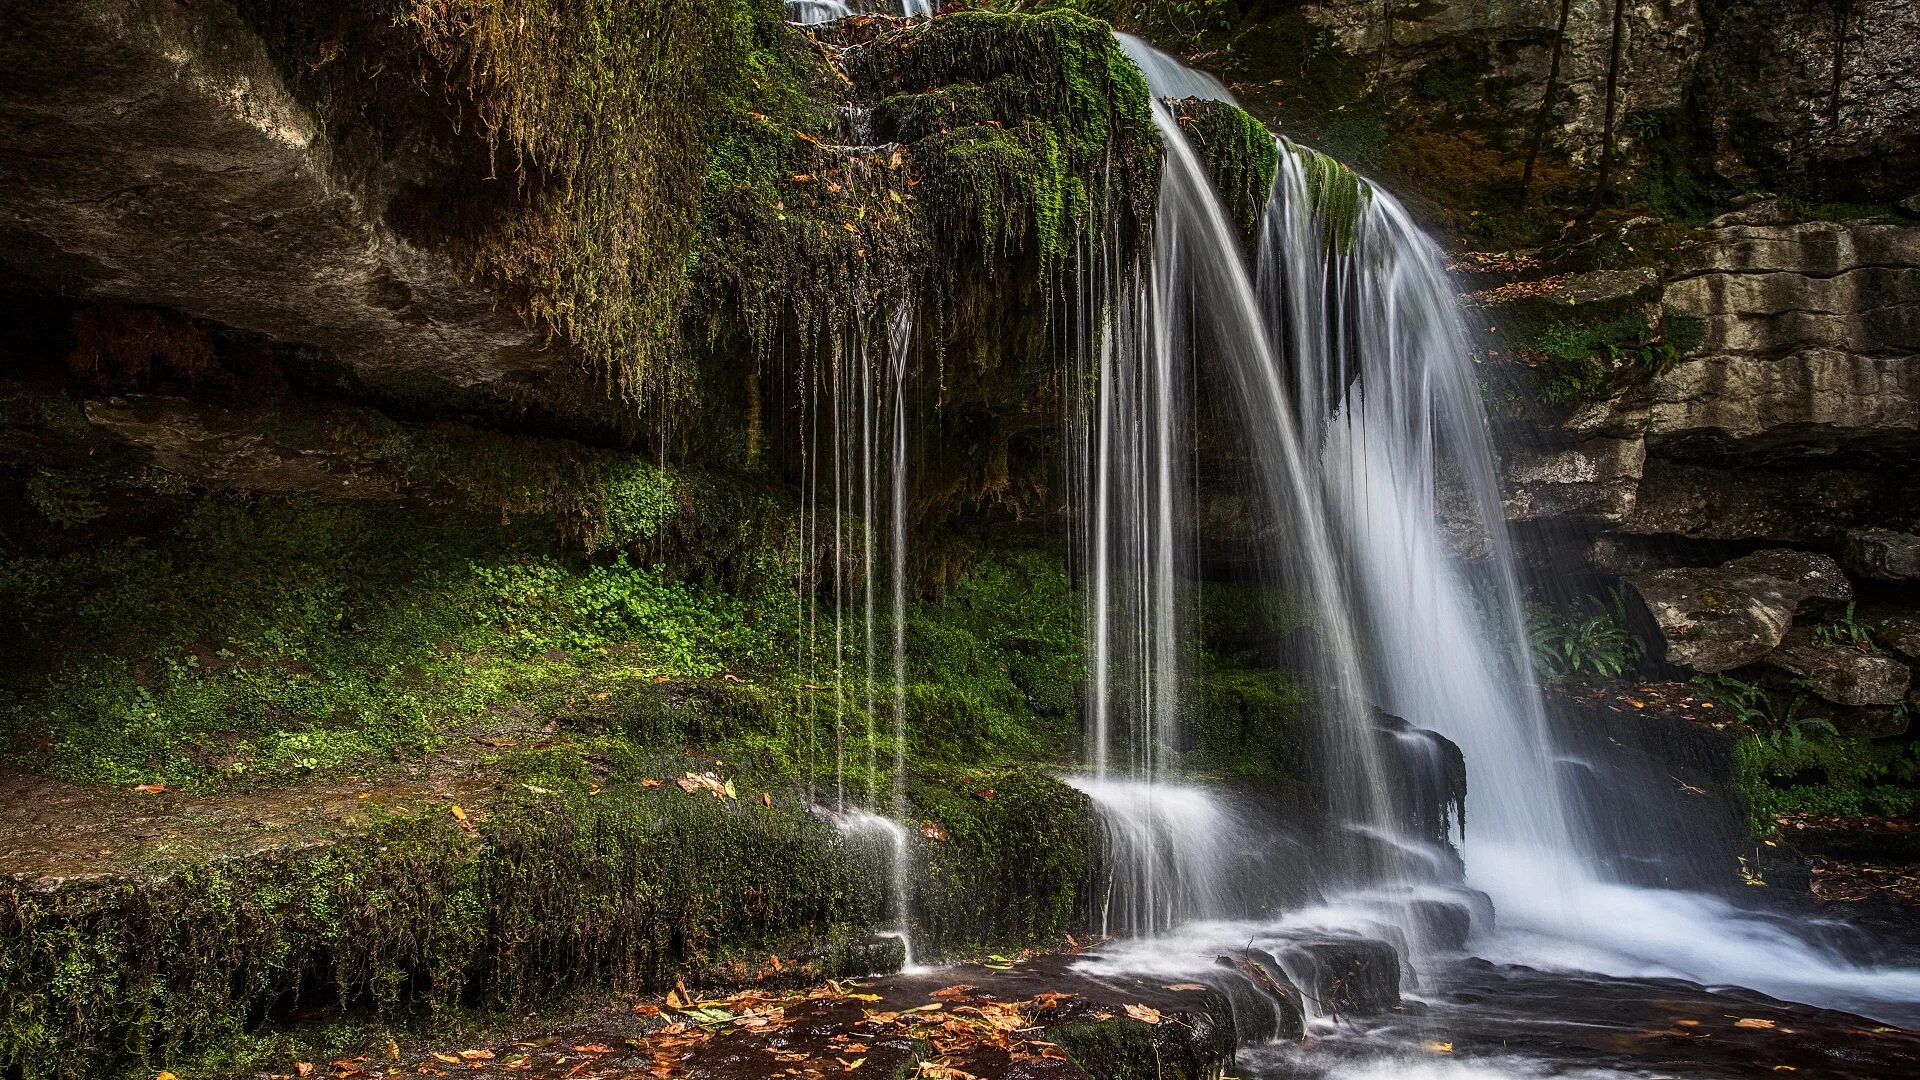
column 1040, row 1019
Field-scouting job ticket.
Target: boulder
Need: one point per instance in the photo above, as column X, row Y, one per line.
column 1901, row 634
column 1870, row 721
column 1716, row 618
column 1841, row 672
column 1881, row 553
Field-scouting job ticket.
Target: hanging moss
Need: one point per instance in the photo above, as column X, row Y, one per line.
column 1239, row 153
column 1026, row 130
column 1337, row 196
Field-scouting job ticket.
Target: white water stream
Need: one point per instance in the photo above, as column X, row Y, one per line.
column 1351, row 366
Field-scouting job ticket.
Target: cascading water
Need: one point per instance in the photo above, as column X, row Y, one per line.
column 815, row 12
column 1350, row 364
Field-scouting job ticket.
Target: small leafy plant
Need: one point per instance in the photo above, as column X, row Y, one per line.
column 1846, row 631
column 1593, row 639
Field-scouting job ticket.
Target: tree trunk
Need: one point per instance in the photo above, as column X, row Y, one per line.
column 1603, row 184
column 1546, row 101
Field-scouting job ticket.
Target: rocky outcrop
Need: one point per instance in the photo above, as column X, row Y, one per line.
column 1841, row 672
column 154, row 153
column 1785, row 423
column 1881, row 553
column 1717, row 618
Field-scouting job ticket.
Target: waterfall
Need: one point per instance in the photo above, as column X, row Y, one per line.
column 1350, row 365
column 815, row 12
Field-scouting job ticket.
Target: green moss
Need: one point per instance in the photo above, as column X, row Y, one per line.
column 610, row 113
column 1040, row 130
column 1122, row 1048
column 1239, row 153
column 1336, row 194
column 1801, row 766
column 622, row 890
column 1014, row 834
column 1610, row 347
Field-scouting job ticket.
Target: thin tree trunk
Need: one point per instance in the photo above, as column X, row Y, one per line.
column 1842, row 10
column 1546, row 101
column 1601, row 187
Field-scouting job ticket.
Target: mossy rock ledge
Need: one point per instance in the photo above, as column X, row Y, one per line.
column 550, row 878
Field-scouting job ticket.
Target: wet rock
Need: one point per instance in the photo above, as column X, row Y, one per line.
column 1268, row 990
column 1351, row 977
column 1596, row 479
column 1716, row 618
column 1881, row 553
column 1445, row 923
column 1841, row 672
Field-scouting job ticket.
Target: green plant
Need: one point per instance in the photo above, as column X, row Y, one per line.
column 1592, row 639
column 1846, row 631
column 1589, row 358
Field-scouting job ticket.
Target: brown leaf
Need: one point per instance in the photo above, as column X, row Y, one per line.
column 1753, row 1022
column 150, row 789
column 593, row 1048
column 767, row 799
column 476, row 1055
column 460, row 817
column 1146, row 1014
column 651, row 783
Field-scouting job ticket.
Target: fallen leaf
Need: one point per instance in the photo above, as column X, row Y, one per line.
column 1439, row 1048
column 477, row 1055
column 1189, row 987
column 593, row 1048
column 1753, row 1022
column 1146, row 1014
column 766, row 799
column 777, row 966
column 393, row 1050
column 460, row 817
column 151, row 789
column 651, row 783
column 303, row 1068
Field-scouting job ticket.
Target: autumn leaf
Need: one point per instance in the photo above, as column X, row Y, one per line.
column 1186, row 986
column 593, row 1048
column 303, row 1068
column 1753, row 1022
column 1439, row 1048
column 766, row 799
column 1146, row 1014
column 651, row 783
column 460, row 817
column 478, row 1055
column 151, row 789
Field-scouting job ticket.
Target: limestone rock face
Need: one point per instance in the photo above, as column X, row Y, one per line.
column 154, row 154
column 1596, row 479
column 1840, row 672
column 1882, row 553
column 1794, row 421
column 1717, row 618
